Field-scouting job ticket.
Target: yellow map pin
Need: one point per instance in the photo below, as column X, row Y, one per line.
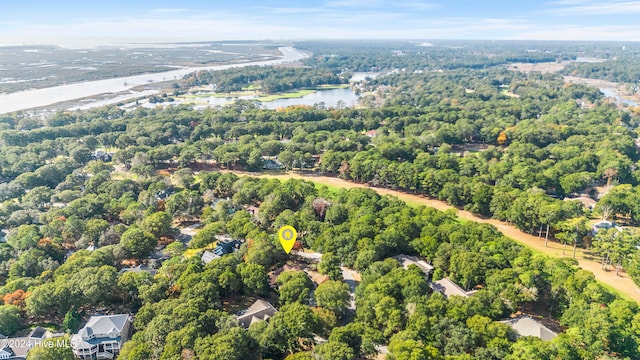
column 287, row 235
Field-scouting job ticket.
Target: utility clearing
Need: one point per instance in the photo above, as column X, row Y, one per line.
column 622, row 284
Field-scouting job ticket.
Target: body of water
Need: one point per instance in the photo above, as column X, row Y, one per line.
column 331, row 98
column 30, row 99
column 612, row 93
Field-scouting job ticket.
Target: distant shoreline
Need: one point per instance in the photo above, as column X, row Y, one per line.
column 36, row 98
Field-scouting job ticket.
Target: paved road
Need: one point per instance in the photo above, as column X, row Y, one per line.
column 352, row 278
column 313, row 256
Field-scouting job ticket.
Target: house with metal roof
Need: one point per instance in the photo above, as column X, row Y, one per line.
column 102, row 337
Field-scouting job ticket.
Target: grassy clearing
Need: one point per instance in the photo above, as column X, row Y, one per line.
column 252, row 87
column 217, row 95
column 192, row 252
column 290, row 95
column 506, row 92
column 331, row 188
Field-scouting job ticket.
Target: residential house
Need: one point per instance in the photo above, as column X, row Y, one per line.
column 273, row 276
column 271, row 164
column 448, row 288
column 139, row 269
column 587, row 202
column 17, row 348
column 102, row 155
column 526, row 326
column 164, row 194
column 208, row 257
column 406, row 260
column 7, row 353
column 603, row 225
column 316, row 277
column 261, row 310
column 222, row 248
column 102, row 337
column 38, row 333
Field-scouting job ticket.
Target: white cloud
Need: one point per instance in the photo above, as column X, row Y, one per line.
column 299, row 22
column 354, row 3
column 581, row 8
column 585, row 32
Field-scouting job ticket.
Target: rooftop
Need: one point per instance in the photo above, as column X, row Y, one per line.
column 38, row 333
column 139, row 269
column 208, row 257
column 526, row 326
column 261, row 310
column 448, row 288
column 100, row 326
column 18, row 346
column 587, row 202
column 406, row 260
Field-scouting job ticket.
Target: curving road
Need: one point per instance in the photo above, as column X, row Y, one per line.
column 30, row 99
column 622, row 284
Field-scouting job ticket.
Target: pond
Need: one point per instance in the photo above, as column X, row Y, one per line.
column 330, row 97
column 612, row 93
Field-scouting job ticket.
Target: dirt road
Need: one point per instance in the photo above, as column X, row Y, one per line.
column 623, row 284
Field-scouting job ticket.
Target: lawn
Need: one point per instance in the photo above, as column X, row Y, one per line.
column 192, row 252
column 509, row 94
column 289, row 95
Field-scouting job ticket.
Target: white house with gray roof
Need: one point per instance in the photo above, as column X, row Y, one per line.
column 102, row 337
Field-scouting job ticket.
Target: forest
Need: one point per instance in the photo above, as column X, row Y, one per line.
column 500, row 144
column 267, row 79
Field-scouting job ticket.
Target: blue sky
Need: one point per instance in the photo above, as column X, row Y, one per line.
column 160, row 20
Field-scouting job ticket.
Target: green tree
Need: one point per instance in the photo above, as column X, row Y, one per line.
column 71, row 321
column 330, row 265
column 158, row 224
column 185, row 203
column 136, row 350
column 254, row 278
column 232, row 344
column 184, row 177
column 9, row 319
column 138, row 243
column 294, row 286
column 334, row 350
column 572, row 231
column 51, row 349
column 615, row 246
column 333, row 295
column 288, row 330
